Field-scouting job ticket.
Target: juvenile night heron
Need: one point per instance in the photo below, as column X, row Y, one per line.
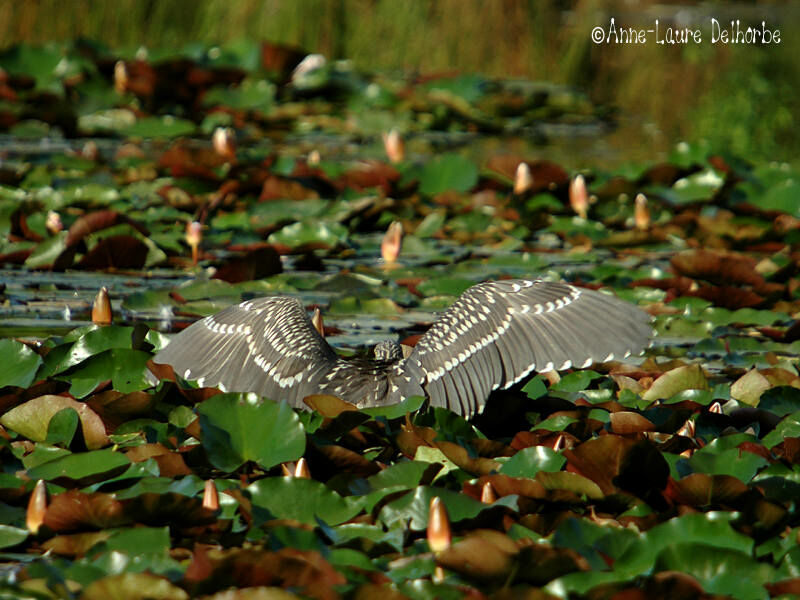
column 494, row 335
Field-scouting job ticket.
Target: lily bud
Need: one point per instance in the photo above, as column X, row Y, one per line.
column 488, row 495
column 37, row 506
column 194, row 235
column 392, row 242
column 301, row 469
column 101, row 308
column 641, row 213
column 523, row 180
column 687, row 429
column 394, row 146
column 439, row 536
column 53, row 222
column 223, row 140
column 210, row 496
column 578, row 196
column 120, row 77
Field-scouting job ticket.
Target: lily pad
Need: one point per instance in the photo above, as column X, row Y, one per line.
column 242, row 427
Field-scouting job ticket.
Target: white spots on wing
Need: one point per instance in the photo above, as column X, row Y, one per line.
column 519, row 377
column 608, row 358
column 586, row 363
column 291, row 380
column 187, row 374
column 567, row 364
column 466, row 353
column 201, row 381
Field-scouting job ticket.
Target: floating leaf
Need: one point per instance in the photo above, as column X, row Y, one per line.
column 32, row 419
column 304, row 500
column 133, row 585
column 529, row 461
column 242, row 427
column 689, row 377
column 19, row 364
column 81, row 465
column 11, row 536
column 749, row 387
column 160, row 127
column 305, row 233
column 415, row 506
column 448, row 172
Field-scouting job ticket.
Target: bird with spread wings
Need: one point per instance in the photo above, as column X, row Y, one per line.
column 492, row 337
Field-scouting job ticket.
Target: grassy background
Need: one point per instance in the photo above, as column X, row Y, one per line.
column 739, row 98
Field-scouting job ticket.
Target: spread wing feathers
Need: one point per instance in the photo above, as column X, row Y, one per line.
column 267, row 346
column 368, row 383
column 496, row 333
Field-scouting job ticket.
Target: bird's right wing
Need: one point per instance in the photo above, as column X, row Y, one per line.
column 498, row 332
column 267, row 346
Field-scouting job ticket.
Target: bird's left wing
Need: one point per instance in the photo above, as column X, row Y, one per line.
column 267, row 346
column 498, row 332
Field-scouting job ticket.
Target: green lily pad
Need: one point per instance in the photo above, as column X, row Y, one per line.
column 80, row 465
column 304, row 500
column 160, row 127
column 11, row 536
column 19, row 365
column 413, row 507
column 529, row 461
column 689, row 377
column 448, row 172
column 242, row 427
column 306, row 233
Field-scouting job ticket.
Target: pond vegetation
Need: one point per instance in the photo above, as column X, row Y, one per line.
column 187, row 182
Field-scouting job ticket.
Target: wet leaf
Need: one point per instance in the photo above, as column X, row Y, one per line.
column 241, row 427
column 310, row 235
column 749, row 387
column 19, row 364
column 732, row 461
column 413, row 507
column 156, row 127
column 721, row 571
column 304, row 500
column 80, row 466
column 47, row 252
column 11, row 536
column 448, row 172
column 133, row 586
column 483, row 554
column 127, row 370
column 33, row 419
column 689, row 377
column 529, row 461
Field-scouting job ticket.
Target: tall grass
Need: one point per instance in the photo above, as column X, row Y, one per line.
column 740, row 98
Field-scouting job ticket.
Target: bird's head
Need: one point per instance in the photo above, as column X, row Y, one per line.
column 388, row 350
